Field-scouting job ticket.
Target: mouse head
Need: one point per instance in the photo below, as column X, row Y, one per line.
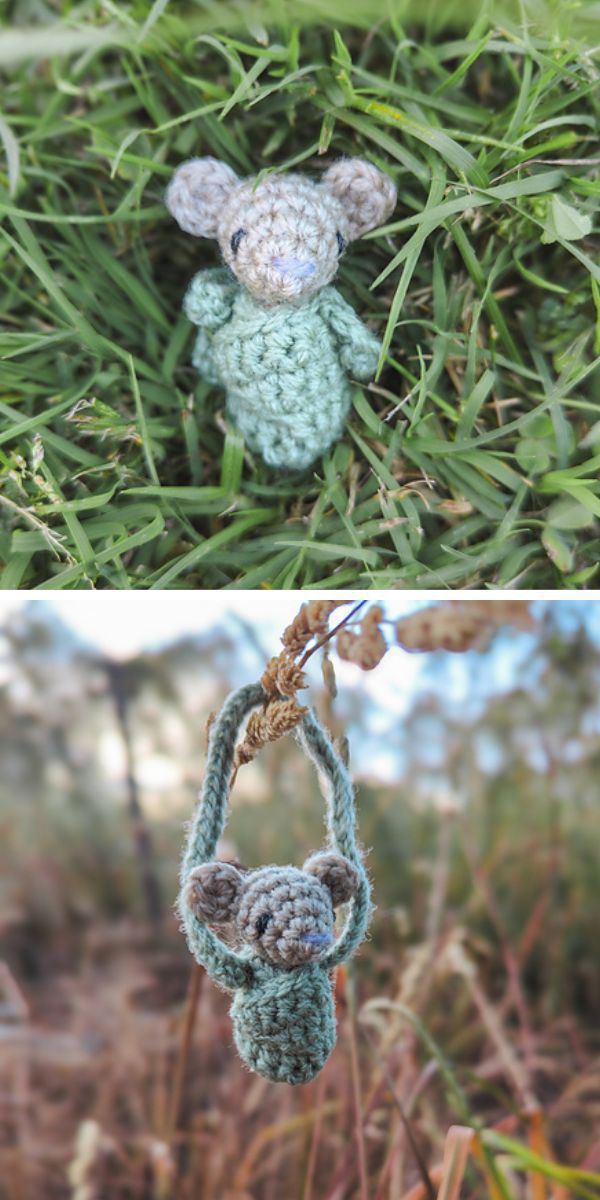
column 284, row 236
column 285, row 915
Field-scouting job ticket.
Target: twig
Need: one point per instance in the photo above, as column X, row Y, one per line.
column 559, row 162
column 358, row 1115
column 420, row 1161
column 117, row 676
column 275, row 696
column 332, row 632
column 307, row 1192
column 185, row 1042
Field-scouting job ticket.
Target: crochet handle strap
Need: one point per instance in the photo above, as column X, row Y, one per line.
column 225, row 966
column 211, row 815
column 341, row 825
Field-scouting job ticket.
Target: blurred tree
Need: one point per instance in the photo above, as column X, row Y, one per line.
column 124, row 679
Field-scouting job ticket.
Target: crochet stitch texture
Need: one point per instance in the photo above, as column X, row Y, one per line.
column 272, row 333
column 281, row 918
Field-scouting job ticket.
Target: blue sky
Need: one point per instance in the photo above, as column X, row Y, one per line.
column 124, row 623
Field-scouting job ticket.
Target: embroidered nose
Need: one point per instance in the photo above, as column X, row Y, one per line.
column 296, row 268
column 316, row 939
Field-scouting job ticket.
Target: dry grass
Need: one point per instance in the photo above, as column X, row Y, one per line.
column 113, row 1086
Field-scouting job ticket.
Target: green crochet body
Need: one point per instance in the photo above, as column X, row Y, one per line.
column 284, row 368
column 284, row 1021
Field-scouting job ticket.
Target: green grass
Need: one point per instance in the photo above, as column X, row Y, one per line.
column 472, row 461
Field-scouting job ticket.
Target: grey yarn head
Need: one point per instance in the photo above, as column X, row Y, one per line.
column 283, row 236
column 283, row 915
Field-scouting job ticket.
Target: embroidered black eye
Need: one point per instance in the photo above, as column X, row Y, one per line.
column 262, row 923
column 341, row 242
column 236, row 239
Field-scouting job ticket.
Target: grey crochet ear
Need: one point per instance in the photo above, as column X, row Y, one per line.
column 214, row 891
column 367, row 196
column 336, row 873
column 197, row 193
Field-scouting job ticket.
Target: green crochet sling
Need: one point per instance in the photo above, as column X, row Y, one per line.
column 280, row 918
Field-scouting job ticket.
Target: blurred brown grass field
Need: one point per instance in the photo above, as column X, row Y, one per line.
column 467, row 1058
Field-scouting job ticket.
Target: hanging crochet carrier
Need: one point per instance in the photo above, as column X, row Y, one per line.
column 280, row 948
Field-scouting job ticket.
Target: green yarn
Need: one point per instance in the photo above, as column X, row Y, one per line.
column 284, row 1024
column 282, row 1011
column 284, row 368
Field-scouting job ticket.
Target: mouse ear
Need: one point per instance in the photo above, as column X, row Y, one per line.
column 336, row 873
column 367, row 196
column 197, row 193
column 213, row 892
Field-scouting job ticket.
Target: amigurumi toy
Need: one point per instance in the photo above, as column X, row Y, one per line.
column 277, row 946
column 272, row 333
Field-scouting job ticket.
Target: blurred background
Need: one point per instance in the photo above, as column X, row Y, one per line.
column 474, row 1000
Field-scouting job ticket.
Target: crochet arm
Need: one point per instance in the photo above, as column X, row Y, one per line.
column 359, row 348
column 209, row 299
column 342, row 833
column 208, row 303
column 223, row 965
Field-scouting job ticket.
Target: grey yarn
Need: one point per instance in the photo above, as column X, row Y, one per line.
column 282, row 917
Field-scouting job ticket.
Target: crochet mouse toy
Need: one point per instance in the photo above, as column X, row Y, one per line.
column 267, row 935
column 272, row 332
column 284, row 919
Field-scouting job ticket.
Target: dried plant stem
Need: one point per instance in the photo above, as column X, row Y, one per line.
column 429, row 1191
column 457, row 1149
column 185, row 1041
column 515, row 987
column 356, row 1089
column 283, row 676
column 419, row 1191
column 307, row 1191
column 116, row 675
column 12, row 1000
column 332, row 632
column 510, row 1060
column 537, row 1142
column 270, row 1133
column 558, row 162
